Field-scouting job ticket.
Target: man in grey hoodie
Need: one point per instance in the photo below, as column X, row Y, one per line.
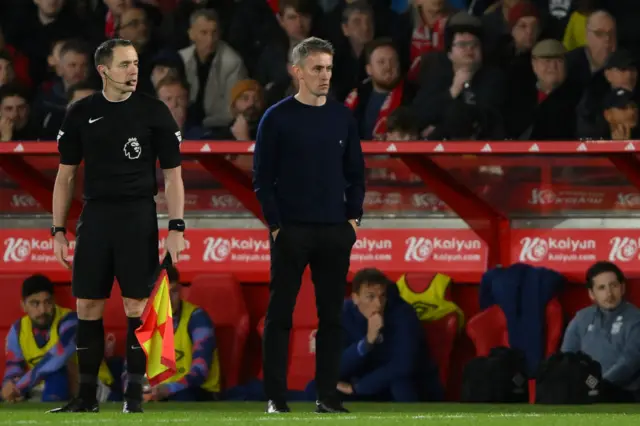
column 609, row 332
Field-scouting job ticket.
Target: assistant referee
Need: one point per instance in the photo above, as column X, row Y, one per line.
column 309, row 178
column 120, row 135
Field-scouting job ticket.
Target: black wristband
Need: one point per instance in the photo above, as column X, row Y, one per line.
column 177, row 225
column 56, row 229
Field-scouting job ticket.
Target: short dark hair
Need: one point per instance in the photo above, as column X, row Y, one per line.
column 403, row 119
column 13, row 89
column 304, row 7
column 83, row 85
column 104, row 52
column 208, row 14
column 369, row 276
column 73, row 45
column 36, row 284
column 4, row 54
column 308, row 46
column 375, row 44
column 602, row 267
column 357, row 6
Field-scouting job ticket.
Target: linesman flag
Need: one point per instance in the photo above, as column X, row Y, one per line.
column 156, row 332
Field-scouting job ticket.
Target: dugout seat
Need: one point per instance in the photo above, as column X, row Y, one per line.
column 488, row 329
column 302, row 341
column 441, row 336
column 220, row 295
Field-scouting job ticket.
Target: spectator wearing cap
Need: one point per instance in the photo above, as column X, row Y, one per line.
column 461, row 78
column 212, row 69
column 40, row 348
column 514, row 49
column 246, row 103
column 197, row 360
column 495, row 23
column 621, row 114
column 379, row 95
column 585, row 62
column 544, row 110
column 621, row 72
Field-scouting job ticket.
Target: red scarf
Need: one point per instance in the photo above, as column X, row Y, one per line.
column 423, row 40
column 110, row 26
column 393, row 101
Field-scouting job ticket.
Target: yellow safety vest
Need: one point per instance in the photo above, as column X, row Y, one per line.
column 430, row 305
column 184, row 352
column 33, row 354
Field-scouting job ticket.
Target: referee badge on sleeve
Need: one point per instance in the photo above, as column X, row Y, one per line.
column 179, row 136
column 60, row 134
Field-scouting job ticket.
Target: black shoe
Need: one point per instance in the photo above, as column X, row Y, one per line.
column 277, row 407
column 77, row 405
column 330, row 407
column 132, row 407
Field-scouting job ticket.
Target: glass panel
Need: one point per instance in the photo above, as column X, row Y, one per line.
column 546, row 186
column 392, row 191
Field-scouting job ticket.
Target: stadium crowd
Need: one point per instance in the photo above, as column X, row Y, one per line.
column 409, row 69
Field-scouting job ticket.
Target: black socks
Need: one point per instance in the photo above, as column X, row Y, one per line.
column 136, row 362
column 90, row 350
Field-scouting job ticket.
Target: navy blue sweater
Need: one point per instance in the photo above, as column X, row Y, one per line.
column 401, row 353
column 308, row 165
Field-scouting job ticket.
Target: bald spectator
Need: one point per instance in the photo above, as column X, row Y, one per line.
column 212, row 69
column 584, row 62
column 544, row 110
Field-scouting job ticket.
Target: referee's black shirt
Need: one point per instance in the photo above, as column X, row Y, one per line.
column 120, row 143
column 308, row 165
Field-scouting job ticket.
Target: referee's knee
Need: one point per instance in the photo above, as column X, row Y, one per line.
column 134, row 307
column 90, row 309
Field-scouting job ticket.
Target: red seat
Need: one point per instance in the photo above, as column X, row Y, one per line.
column 221, row 297
column 302, row 341
column 441, row 335
column 488, row 329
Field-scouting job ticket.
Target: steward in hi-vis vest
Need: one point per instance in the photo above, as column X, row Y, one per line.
column 198, row 375
column 41, row 348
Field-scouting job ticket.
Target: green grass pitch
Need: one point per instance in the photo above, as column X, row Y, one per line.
column 237, row 414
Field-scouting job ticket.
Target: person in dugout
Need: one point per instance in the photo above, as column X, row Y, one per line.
column 385, row 356
column 198, row 375
column 609, row 332
column 41, row 361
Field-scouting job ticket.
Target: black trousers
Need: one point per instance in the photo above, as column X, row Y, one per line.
column 327, row 250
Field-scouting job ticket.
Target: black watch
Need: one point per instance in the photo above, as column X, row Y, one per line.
column 56, row 229
column 177, row 225
column 358, row 220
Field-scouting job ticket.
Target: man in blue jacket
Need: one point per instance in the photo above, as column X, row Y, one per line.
column 385, row 356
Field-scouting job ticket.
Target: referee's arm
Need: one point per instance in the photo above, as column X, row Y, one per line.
column 70, row 149
column 166, row 138
column 353, row 169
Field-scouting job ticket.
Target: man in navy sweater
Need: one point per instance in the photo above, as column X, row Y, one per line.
column 308, row 175
column 386, row 356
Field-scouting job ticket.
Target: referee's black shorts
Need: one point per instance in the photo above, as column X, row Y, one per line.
column 116, row 240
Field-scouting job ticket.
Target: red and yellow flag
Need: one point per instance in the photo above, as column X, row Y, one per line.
column 156, row 333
